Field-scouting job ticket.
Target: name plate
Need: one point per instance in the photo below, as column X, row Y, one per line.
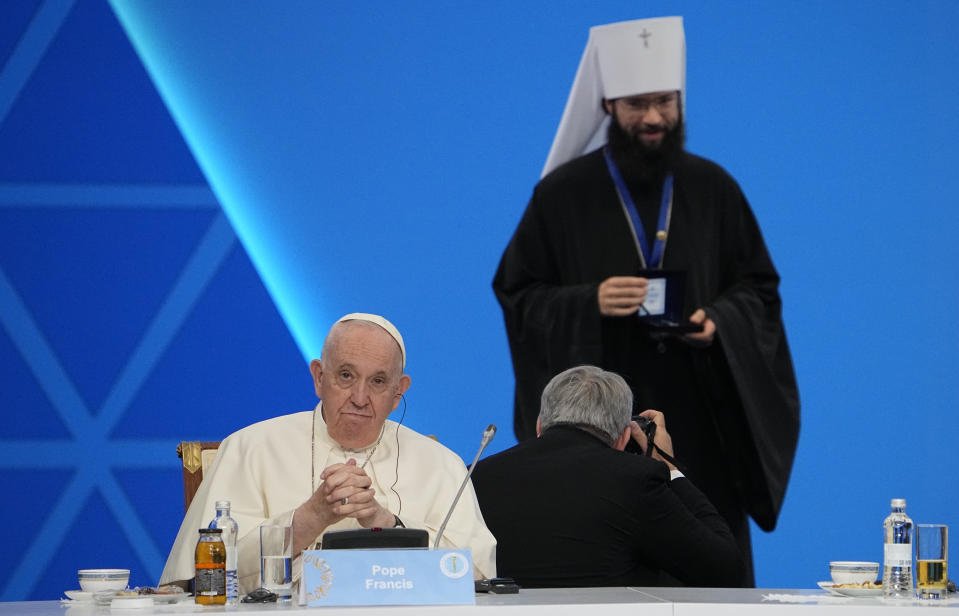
column 388, row 577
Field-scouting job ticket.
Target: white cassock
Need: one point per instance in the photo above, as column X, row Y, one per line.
column 265, row 470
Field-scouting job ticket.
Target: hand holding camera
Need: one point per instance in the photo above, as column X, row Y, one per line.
column 650, row 435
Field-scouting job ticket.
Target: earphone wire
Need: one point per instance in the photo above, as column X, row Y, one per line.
column 397, row 469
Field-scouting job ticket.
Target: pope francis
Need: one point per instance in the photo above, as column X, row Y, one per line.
column 342, row 465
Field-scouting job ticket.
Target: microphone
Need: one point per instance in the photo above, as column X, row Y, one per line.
column 488, row 434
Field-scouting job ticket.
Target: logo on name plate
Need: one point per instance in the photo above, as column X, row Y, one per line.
column 454, row 565
column 325, row 578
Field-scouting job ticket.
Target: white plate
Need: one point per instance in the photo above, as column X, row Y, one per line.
column 79, row 595
column 170, row 597
column 131, row 601
column 104, row 597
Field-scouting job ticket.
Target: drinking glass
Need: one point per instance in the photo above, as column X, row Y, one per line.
column 276, row 560
column 932, row 560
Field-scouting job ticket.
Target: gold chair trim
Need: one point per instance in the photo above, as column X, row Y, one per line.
column 192, row 458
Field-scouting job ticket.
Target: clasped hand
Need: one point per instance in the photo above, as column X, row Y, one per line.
column 346, row 493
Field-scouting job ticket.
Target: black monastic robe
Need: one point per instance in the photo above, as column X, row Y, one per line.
column 732, row 408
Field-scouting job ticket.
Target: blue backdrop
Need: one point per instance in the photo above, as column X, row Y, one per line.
column 190, row 193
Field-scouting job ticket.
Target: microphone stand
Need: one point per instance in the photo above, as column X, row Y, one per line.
column 488, row 434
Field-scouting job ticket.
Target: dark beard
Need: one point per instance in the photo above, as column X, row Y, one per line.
column 639, row 163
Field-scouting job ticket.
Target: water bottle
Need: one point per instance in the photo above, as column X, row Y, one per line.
column 228, row 525
column 897, row 553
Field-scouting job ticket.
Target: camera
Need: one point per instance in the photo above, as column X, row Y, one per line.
column 648, row 426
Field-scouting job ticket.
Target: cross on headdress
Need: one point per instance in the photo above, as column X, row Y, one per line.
column 645, row 36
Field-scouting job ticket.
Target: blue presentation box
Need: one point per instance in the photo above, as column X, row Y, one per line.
column 388, row 577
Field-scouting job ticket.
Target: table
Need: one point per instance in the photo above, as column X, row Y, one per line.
column 554, row 602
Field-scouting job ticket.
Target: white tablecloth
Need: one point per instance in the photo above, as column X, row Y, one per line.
column 558, row 602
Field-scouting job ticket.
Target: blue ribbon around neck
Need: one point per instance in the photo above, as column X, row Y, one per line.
column 651, row 259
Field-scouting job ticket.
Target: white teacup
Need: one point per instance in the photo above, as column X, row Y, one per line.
column 853, row 572
column 100, row 580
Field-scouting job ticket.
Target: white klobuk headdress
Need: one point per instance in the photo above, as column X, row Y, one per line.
column 621, row 59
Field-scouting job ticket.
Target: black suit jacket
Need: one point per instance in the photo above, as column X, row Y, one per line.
column 568, row 510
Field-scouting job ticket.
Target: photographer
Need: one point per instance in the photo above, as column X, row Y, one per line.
column 572, row 508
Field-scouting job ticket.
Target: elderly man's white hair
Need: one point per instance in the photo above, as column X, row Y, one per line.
column 376, row 319
column 589, row 398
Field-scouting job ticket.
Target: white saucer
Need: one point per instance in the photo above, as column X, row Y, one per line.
column 859, row 592
column 828, row 587
column 849, row 592
column 79, row 595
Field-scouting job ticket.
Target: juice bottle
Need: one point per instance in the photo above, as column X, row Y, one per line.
column 209, row 585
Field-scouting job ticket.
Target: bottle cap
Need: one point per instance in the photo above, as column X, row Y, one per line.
column 899, row 502
column 223, row 504
column 211, row 530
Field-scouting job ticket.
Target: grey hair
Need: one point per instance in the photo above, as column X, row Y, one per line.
column 589, row 398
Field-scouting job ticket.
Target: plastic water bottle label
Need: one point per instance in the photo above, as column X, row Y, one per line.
column 898, row 555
